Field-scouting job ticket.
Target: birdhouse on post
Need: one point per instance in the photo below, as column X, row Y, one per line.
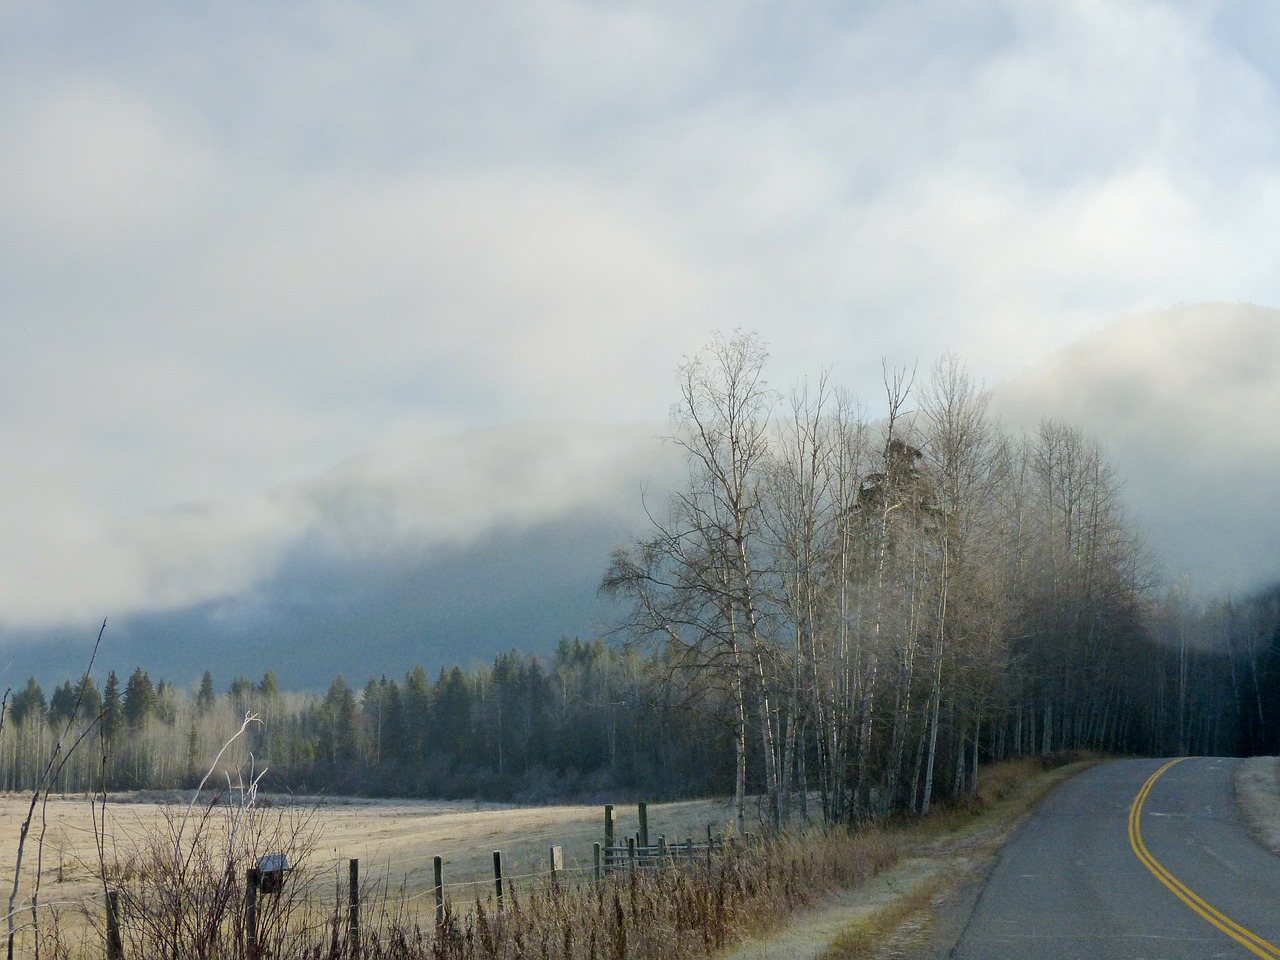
column 271, row 871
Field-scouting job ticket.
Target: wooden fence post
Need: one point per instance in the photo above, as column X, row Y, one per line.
column 353, row 907
column 115, row 947
column 497, row 875
column 608, row 833
column 557, row 864
column 644, row 824
column 439, row 870
column 595, row 849
column 251, row 913
column 631, row 852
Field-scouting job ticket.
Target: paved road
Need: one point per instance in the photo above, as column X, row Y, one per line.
column 1074, row 884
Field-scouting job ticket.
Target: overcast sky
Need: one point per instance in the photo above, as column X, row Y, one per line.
column 242, row 241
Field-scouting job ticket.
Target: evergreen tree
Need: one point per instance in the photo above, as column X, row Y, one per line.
column 268, row 689
column 393, row 731
column 62, row 704
column 139, row 698
column 535, row 733
column 504, row 712
column 90, row 699
column 371, row 718
column 417, row 716
column 206, row 699
column 112, row 713
column 452, row 712
column 337, row 740
column 193, row 756
column 28, row 706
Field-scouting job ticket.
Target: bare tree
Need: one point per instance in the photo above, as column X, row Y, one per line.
column 799, row 517
column 964, row 455
column 1080, row 590
column 698, row 582
column 887, row 509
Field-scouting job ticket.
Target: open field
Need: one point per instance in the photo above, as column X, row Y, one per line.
column 395, row 841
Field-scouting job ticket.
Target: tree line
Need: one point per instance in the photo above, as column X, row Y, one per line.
column 590, row 719
column 594, row 720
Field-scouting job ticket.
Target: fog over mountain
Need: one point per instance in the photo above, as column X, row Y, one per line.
column 435, row 552
column 442, row 550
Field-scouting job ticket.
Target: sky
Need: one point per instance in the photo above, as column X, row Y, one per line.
column 242, row 242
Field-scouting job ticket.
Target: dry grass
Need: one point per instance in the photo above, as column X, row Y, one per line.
column 176, row 892
column 1257, row 788
column 680, row 913
column 395, row 841
column 172, row 874
column 178, row 905
column 1008, row 788
column 865, row 935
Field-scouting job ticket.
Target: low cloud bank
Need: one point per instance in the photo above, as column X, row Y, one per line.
column 432, row 542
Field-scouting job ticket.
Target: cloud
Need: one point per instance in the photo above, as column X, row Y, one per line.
column 389, row 505
column 453, row 492
column 91, row 171
column 240, row 242
column 488, row 279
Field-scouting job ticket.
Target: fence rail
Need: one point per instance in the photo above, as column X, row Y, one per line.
column 635, row 855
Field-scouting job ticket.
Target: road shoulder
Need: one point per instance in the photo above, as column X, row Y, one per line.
column 915, row 910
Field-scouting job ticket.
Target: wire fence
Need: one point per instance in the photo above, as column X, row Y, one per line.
column 409, row 888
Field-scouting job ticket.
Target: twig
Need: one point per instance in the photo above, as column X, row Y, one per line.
column 249, row 718
column 53, row 767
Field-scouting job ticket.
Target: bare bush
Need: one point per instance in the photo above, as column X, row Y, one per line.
column 183, row 885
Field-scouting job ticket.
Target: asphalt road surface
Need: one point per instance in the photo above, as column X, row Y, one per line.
column 1132, row 859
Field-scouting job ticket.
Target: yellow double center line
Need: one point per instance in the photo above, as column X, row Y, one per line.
column 1249, row 939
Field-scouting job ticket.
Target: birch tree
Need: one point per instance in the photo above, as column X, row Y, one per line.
column 699, row 581
column 965, row 461
column 799, row 519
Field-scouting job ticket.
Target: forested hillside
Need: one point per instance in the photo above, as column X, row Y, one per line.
column 859, row 606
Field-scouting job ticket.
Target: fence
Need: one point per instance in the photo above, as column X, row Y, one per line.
column 609, row 857
column 638, row 853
